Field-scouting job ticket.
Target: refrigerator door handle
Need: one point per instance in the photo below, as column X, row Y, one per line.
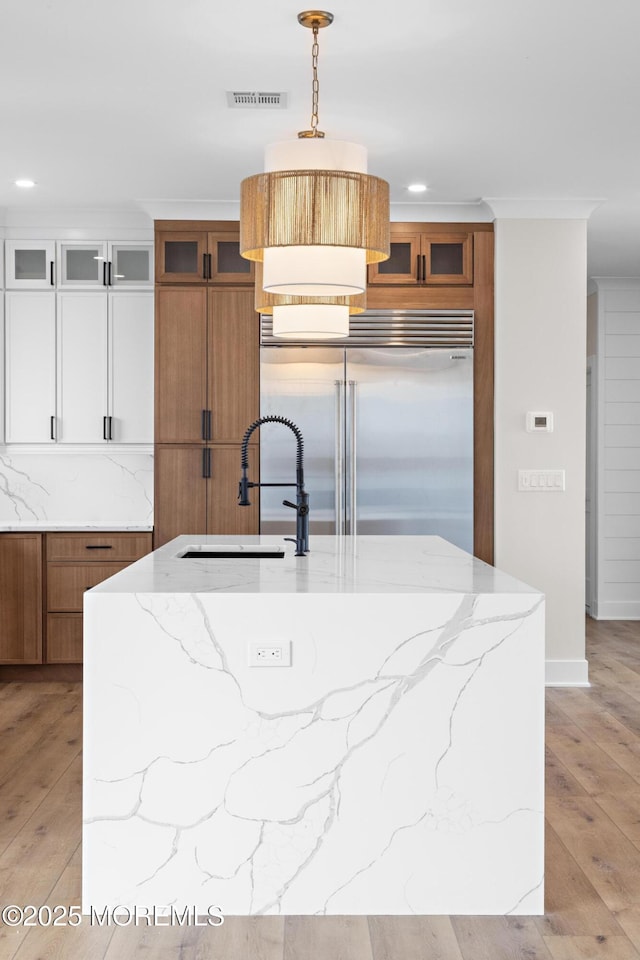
column 352, row 459
column 338, row 459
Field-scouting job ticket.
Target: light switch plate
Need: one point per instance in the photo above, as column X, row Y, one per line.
column 541, row 481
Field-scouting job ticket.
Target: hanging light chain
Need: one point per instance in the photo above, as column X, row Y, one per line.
column 315, row 20
column 315, row 86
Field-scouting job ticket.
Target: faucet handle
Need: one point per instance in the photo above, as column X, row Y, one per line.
column 287, row 503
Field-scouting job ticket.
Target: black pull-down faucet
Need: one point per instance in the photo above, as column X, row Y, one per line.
column 301, row 506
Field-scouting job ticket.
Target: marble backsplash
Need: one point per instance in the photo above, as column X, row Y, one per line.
column 72, row 488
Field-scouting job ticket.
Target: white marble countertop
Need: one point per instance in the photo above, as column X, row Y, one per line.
column 46, row 526
column 371, row 564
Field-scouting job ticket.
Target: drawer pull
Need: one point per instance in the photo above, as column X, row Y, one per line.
column 96, row 546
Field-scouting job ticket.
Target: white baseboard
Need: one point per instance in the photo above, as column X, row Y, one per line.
column 567, row 673
column 616, row 610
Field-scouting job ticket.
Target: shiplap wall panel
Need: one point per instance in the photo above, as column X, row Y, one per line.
column 621, row 548
column 618, row 450
column 622, row 458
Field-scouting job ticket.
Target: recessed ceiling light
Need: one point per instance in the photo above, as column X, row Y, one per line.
column 417, row 187
column 25, row 183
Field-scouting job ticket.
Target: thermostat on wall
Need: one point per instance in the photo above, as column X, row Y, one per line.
column 539, row 422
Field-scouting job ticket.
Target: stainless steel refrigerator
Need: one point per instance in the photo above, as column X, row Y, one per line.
column 387, row 420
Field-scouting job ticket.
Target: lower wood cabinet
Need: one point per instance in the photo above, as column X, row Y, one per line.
column 196, row 491
column 21, row 598
column 75, row 563
column 43, row 624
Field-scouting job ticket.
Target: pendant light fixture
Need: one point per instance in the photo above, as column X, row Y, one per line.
column 307, row 318
column 314, row 217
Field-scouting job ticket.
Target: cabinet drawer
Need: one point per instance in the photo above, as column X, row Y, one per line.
column 99, row 547
column 67, row 582
column 64, row 638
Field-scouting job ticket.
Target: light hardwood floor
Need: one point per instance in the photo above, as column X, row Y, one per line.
column 593, row 844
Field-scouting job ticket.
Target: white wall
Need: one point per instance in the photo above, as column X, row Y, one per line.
column 541, row 282
column 617, row 587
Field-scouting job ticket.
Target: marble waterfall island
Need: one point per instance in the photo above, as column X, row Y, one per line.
column 395, row 766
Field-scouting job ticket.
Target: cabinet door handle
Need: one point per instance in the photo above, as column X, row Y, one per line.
column 424, row 268
column 203, row 426
column 204, row 266
column 104, row 273
column 52, row 428
column 104, row 428
column 109, row 274
column 206, row 463
column 418, row 269
column 52, row 278
column 209, row 270
column 109, row 428
column 208, row 420
column 97, row 546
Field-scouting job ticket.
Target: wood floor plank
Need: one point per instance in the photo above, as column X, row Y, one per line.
column 413, row 938
column 607, row 857
column 624, row 810
column 26, row 786
column 32, row 863
column 499, row 938
column 573, row 906
column 66, row 942
column 592, row 766
column 338, row 938
column 591, row 948
column 629, row 920
column 254, row 938
column 558, row 781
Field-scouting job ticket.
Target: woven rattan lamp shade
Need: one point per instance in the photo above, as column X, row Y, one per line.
column 335, row 208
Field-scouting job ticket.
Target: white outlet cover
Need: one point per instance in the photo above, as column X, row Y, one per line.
column 269, row 653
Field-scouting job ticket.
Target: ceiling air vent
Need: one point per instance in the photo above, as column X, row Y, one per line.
column 256, row 99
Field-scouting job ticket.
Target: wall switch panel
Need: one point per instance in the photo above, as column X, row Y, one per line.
column 539, row 422
column 541, row 481
column 269, row 653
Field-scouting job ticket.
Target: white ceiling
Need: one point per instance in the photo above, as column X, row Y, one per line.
column 110, row 104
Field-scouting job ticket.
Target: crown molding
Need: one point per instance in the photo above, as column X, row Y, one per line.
column 543, row 208
column 190, row 209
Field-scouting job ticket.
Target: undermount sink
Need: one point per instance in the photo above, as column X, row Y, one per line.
column 232, row 552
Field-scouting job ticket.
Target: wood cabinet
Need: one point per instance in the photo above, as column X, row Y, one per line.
column 422, row 258
column 20, row 598
column 196, row 491
column 207, row 364
column 201, row 256
column 75, row 563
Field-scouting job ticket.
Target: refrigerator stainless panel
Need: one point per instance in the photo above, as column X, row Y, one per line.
column 307, row 386
column 388, row 439
column 411, row 452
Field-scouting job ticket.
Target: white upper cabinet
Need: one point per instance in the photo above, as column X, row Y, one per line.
column 131, row 367
column 83, row 265
column 30, row 364
column 30, row 264
column 82, row 368
column 130, row 266
column 87, row 266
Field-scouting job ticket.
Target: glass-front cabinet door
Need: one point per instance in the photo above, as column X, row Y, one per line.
column 130, row 265
column 404, row 264
column 83, row 265
column 225, row 265
column 181, row 257
column 30, row 264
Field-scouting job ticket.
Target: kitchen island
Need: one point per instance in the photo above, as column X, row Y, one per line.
column 384, row 756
